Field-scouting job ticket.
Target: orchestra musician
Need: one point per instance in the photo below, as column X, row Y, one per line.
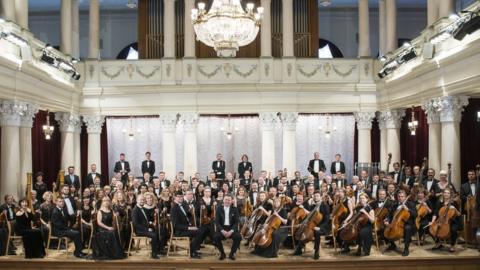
column 397, row 175
column 316, row 165
column 90, row 178
column 244, row 166
column 448, row 204
column 143, row 227
column 205, row 211
column 469, row 195
column 31, row 236
column 218, row 167
column 424, row 212
column 337, row 165
column 431, row 185
column 123, row 168
column 226, row 226
column 40, row 186
column 71, row 179
column 148, row 165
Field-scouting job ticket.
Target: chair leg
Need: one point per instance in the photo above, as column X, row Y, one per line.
column 48, row 246
column 418, row 238
column 129, row 245
column 59, row 240
column 376, row 241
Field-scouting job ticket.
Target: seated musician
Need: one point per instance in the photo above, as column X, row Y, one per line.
column 468, row 191
column 31, row 236
column 143, row 227
column 183, row 225
column 205, row 211
column 278, row 236
column 409, row 228
column 320, row 229
column 455, row 224
column 60, row 220
column 422, row 200
column 349, row 204
column 226, row 226
column 86, row 219
column 382, row 201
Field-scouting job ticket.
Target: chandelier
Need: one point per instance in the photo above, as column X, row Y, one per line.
column 226, row 26
column 47, row 128
column 229, row 130
column 413, row 124
column 131, row 132
column 328, row 130
column 325, row 3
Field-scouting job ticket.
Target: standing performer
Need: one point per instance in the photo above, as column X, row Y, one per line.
column 337, row 165
column 218, row 167
column 316, row 165
column 148, row 166
column 122, row 167
column 244, row 166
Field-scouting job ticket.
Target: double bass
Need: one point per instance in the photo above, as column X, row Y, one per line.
column 306, row 229
column 389, row 160
column 395, row 230
column 418, row 181
column 263, row 236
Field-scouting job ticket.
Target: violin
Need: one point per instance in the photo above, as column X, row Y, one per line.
column 207, row 217
column 306, row 229
column 264, row 236
column 440, row 228
column 355, row 224
column 247, row 208
column 394, row 230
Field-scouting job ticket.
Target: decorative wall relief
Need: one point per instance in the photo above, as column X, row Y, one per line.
column 326, row 69
column 227, row 68
column 311, row 73
column 244, row 74
column 147, row 75
column 113, row 75
column 209, row 74
column 346, row 73
column 366, row 67
column 169, row 70
column 130, row 70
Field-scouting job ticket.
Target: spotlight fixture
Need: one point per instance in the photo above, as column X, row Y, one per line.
column 324, row 3
column 407, row 44
column 47, row 128
column 440, row 37
column 13, row 38
column 407, row 56
column 413, row 124
column 383, row 58
column 388, row 68
column 469, row 24
column 48, row 46
column 47, row 59
column 60, row 63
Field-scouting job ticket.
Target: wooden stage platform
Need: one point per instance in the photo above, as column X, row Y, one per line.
column 421, row 258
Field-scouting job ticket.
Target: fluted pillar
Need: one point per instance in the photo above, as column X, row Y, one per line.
column 364, row 126
column 7, row 9
column 446, row 8
column 94, row 125
column 75, row 29
column 67, row 122
column 268, row 121
column 26, row 123
column 169, row 29
column 363, row 29
column 432, row 11
column 289, row 124
column 434, row 133
column 169, row 127
column 21, row 12
column 393, row 121
column 451, row 108
column 382, row 27
column 190, row 123
column 287, row 26
column 189, row 33
column 382, row 125
column 266, row 30
column 66, row 27
column 93, row 30
column 391, row 23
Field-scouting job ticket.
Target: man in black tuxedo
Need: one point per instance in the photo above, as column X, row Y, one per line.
column 397, row 174
column 90, row 178
column 60, row 227
column 122, row 167
column 71, row 179
column 226, row 224
column 218, row 166
column 340, row 180
column 164, row 183
column 246, row 180
column 142, row 225
column 70, row 205
column 183, row 225
column 469, row 188
column 243, row 166
column 431, row 185
column 337, row 165
column 148, row 166
column 375, row 186
column 316, row 164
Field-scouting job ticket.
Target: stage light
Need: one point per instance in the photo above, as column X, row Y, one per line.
column 440, row 37
column 13, row 38
column 74, row 60
column 383, row 58
column 407, row 44
column 478, row 116
column 408, row 56
column 47, row 59
column 453, row 17
column 470, row 25
column 48, row 46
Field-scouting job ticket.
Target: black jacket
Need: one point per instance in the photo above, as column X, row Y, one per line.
column 59, row 222
column 75, row 182
column 311, row 165
column 180, row 221
column 411, row 208
column 220, row 218
column 140, row 219
column 150, row 169
column 243, row 168
column 219, row 170
column 332, row 167
column 89, row 179
column 118, row 168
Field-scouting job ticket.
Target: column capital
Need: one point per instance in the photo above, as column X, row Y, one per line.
column 268, row 120
column 432, row 110
column 189, row 121
column 289, row 120
column 94, row 123
column 28, row 115
column 393, row 118
column 12, row 112
column 168, row 121
column 67, row 121
column 364, row 119
column 451, row 108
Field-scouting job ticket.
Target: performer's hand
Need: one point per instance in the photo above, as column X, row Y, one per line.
column 192, row 228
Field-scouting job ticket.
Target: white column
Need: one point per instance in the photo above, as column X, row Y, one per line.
column 434, row 134
column 382, row 27
column 169, row 29
column 289, row 123
column 266, row 30
column 94, row 125
column 10, row 120
column 364, row 126
column 190, row 123
column 26, row 124
column 432, row 11
column 66, row 27
column 77, row 150
column 21, row 13
column 446, row 8
column 267, row 126
column 67, row 122
column 451, row 108
column 93, row 30
column 189, row 34
column 7, row 9
column 391, row 18
column 382, row 125
column 393, row 121
column 169, row 126
column 363, row 29
column 75, row 29
column 287, row 25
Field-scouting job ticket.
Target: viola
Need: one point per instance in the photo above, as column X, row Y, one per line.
column 355, row 224
column 306, row 229
column 440, row 228
column 264, row 236
column 395, row 230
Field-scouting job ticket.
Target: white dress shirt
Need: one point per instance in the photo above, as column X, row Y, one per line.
column 316, row 165
column 70, row 210
column 473, row 188
column 429, row 184
column 227, row 216
column 337, row 166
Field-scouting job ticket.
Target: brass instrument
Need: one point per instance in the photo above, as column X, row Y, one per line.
column 59, row 183
column 29, row 191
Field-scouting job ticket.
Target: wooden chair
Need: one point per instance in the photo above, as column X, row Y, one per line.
column 174, row 240
column 11, row 235
column 375, row 235
column 134, row 236
column 59, row 239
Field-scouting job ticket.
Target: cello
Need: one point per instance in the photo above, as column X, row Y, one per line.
column 297, row 215
column 263, row 236
column 306, row 229
column 339, row 212
column 395, row 230
column 380, row 215
column 440, row 228
column 352, row 228
column 251, row 224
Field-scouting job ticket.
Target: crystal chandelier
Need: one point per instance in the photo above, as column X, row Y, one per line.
column 131, row 132
column 226, row 26
column 229, row 130
column 47, row 128
column 324, row 3
column 328, row 129
column 413, row 124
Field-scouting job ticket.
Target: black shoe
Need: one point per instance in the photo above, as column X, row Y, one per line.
column 366, row 254
column 231, row 256
column 358, row 253
column 437, row 247
column 12, row 253
column 298, row 252
column 195, row 255
column 391, row 248
column 222, row 257
column 405, row 252
column 163, row 252
column 316, row 256
column 79, row 255
column 345, row 251
column 155, row 256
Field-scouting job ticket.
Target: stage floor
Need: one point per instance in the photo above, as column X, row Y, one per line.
column 421, row 258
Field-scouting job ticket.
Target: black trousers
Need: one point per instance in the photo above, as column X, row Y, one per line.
column 316, row 241
column 196, row 237
column 408, row 232
column 218, row 237
column 365, row 239
column 74, row 236
column 154, row 238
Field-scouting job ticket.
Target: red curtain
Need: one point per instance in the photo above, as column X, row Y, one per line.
column 414, row 147
column 45, row 153
column 469, row 137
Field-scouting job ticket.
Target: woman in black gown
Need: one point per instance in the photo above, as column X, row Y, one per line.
column 106, row 245
column 278, row 236
column 32, row 237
